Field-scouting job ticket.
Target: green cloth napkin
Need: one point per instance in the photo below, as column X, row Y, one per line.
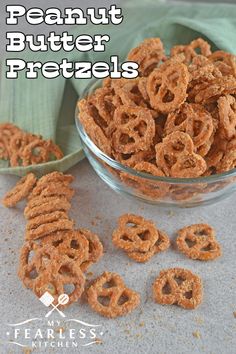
column 47, row 107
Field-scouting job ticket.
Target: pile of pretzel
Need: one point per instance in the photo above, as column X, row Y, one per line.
column 54, row 253
column 177, row 119
column 24, row 149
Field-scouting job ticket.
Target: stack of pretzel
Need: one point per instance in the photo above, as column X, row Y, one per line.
column 54, row 254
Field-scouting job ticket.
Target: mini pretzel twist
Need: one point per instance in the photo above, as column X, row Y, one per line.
column 178, row 286
column 109, row 296
column 152, row 189
column 198, row 242
column 129, row 94
column 70, row 243
column 7, row 130
column 189, row 50
column 161, row 245
column 167, row 89
column 176, row 157
column 33, row 259
column 227, row 114
column 135, row 129
column 134, row 233
column 225, row 62
column 21, row 190
column 148, row 55
column 96, row 132
column 192, row 119
column 59, row 274
column 95, row 249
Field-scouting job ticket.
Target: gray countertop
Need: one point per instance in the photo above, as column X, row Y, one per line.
column 151, row 328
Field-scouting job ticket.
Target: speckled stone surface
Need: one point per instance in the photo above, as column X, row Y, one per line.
column 151, row 328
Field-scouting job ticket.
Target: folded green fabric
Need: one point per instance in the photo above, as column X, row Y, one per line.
column 47, row 107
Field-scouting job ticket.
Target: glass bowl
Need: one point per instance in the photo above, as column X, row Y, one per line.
column 163, row 191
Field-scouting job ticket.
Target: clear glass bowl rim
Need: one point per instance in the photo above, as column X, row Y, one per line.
column 119, row 166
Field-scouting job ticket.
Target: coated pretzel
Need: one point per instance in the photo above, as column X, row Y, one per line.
column 109, row 296
column 188, row 166
column 33, row 223
column 54, row 177
column 168, row 89
column 59, row 274
column 192, row 119
column 95, row 249
column 162, row 244
column 182, row 193
column 152, row 189
column 227, row 114
column 173, row 146
column 21, row 190
column 148, row 55
column 40, row 206
column 7, row 130
column 132, row 159
column 226, row 62
column 103, row 105
column 201, row 69
column 70, row 243
column 52, row 189
column 33, row 259
column 203, row 46
column 180, row 120
column 17, row 145
column 189, row 50
column 134, row 233
column 35, row 152
column 212, row 91
column 95, row 132
column 228, row 161
column 198, row 242
column 135, row 129
column 54, row 151
column 128, row 93
column 178, row 286
column 46, row 224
